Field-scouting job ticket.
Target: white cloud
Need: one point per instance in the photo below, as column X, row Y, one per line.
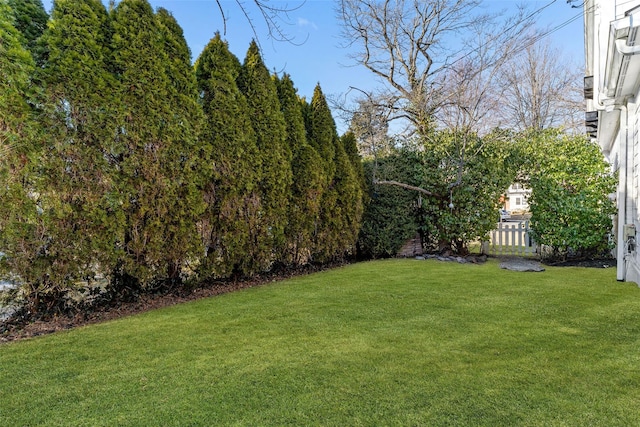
column 303, row 22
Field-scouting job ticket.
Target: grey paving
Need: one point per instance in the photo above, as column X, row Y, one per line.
column 520, row 264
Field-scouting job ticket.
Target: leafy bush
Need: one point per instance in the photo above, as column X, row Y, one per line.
column 390, row 216
column 570, row 204
column 463, row 177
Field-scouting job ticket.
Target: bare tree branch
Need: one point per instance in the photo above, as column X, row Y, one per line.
column 407, row 187
column 273, row 16
column 412, row 46
column 540, row 90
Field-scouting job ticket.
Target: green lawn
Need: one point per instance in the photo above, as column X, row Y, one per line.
column 398, row 342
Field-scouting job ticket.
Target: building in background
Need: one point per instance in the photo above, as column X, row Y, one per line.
column 516, row 199
column 612, row 79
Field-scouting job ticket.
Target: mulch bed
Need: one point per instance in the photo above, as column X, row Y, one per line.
column 589, row 263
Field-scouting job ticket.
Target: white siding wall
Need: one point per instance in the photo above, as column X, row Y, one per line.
column 633, row 196
column 625, row 144
column 635, row 184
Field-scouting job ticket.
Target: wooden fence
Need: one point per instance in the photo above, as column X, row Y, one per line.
column 511, row 238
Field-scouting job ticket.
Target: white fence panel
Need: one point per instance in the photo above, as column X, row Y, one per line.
column 512, row 238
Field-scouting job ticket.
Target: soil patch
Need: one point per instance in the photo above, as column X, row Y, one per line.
column 468, row 259
column 589, row 263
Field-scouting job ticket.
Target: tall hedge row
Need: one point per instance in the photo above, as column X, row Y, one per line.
column 126, row 169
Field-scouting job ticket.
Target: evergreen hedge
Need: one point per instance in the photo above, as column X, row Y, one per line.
column 127, row 170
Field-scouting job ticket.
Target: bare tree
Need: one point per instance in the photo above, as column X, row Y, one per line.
column 469, row 88
column 274, row 16
column 414, row 46
column 540, row 89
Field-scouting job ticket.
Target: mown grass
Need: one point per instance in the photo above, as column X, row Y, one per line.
column 398, row 342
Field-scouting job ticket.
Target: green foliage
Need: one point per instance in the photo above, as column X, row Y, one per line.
column 30, row 20
column 16, row 67
column 350, row 144
column 571, row 184
column 466, row 176
column 342, row 206
column 321, row 130
column 125, row 170
column 78, row 214
column 155, row 155
column 347, row 215
column 469, row 175
column 19, row 219
column 323, row 137
column 307, row 178
column 185, row 165
column 56, row 233
column 359, row 199
column 269, row 126
column 229, row 146
column 390, row 214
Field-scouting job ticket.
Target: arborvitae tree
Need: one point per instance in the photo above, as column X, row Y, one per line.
column 16, row 67
column 186, row 169
column 77, row 198
column 152, row 152
column 391, row 214
column 22, row 239
column 342, row 208
column 30, row 19
column 308, row 178
column 349, row 183
column 322, row 130
column 231, row 221
column 350, row 144
column 323, row 136
column 269, row 126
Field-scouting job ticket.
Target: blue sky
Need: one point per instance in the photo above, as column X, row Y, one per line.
column 319, row 57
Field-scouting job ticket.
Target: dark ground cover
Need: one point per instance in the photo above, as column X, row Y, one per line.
column 589, row 263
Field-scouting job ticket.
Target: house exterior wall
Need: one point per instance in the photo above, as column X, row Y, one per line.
column 516, row 199
column 612, row 58
column 633, row 263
